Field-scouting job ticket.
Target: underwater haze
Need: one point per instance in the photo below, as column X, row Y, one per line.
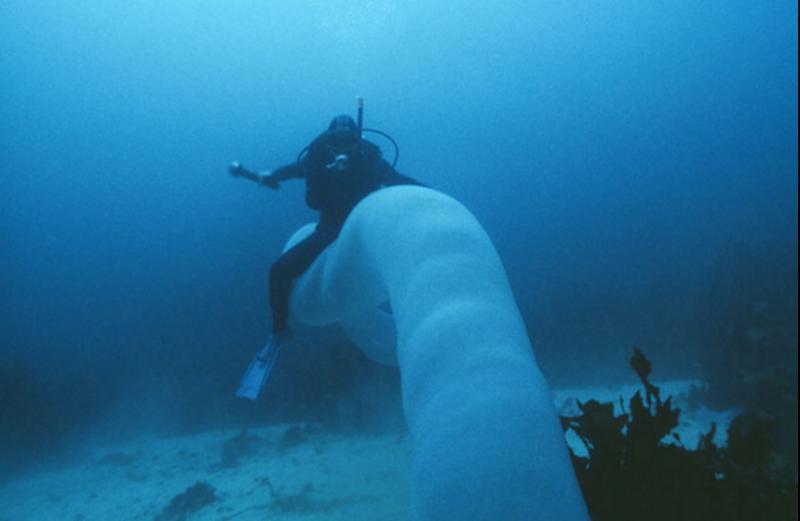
column 631, row 160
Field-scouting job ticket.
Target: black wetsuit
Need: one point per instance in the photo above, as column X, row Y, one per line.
column 334, row 193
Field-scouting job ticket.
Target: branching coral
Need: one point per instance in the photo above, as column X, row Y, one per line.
column 631, row 474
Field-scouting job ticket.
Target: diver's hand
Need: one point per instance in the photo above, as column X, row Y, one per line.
column 236, row 169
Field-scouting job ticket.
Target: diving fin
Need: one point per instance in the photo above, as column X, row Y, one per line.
column 258, row 372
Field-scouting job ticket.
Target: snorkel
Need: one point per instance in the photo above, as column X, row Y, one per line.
column 360, row 117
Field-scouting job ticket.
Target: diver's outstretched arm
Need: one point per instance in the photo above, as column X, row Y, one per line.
column 236, row 169
column 269, row 178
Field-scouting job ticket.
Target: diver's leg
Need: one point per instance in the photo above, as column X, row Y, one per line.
column 286, row 269
column 289, row 266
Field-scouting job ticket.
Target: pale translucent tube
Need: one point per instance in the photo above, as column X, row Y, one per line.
column 487, row 442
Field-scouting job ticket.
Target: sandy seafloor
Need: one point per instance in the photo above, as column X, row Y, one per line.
column 313, row 475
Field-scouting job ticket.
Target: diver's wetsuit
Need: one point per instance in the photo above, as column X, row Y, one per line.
column 334, row 193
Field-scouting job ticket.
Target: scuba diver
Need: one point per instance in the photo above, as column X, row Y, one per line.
column 340, row 168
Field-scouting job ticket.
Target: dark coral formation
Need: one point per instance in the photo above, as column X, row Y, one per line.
column 240, row 446
column 187, row 502
column 631, row 474
column 294, row 436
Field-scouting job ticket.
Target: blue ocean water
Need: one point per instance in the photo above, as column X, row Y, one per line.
column 615, row 151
